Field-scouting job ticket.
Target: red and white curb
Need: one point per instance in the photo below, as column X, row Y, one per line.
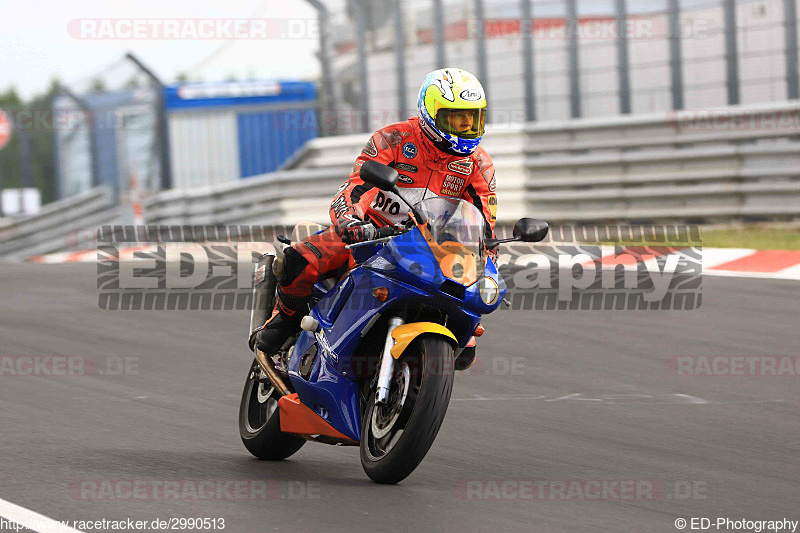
column 738, row 262
column 126, row 253
column 741, row 262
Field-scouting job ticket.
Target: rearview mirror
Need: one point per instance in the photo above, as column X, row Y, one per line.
column 381, row 176
column 525, row 230
column 531, row 229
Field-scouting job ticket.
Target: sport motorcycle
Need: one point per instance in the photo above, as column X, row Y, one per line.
column 374, row 363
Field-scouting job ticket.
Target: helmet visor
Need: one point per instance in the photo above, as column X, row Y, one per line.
column 463, row 123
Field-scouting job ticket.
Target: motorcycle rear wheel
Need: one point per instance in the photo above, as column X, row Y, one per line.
column 395, row 438
column 259, row 420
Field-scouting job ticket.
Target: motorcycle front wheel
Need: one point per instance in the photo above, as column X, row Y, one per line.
column 395, row 437
column 259, row 419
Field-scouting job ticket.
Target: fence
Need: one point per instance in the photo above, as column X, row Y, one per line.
column 559, row 59
column 724, row 164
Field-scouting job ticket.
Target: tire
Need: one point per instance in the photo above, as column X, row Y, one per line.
column 259, row 420
column 395, row 439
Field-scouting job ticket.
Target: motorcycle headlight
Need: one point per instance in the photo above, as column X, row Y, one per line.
column 489, row 290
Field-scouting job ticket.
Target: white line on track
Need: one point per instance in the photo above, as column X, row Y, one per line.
column 576, row 396
column 31, row 520
column 692, row 399
column 788, row 273
column 616, row 399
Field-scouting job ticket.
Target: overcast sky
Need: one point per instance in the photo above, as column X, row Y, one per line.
column 71, row 40
column 40, row 40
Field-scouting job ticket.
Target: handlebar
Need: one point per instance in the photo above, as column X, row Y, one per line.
column 387, row 231
column 384, row 234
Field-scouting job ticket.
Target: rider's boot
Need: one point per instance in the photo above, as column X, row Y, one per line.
column 284, row 322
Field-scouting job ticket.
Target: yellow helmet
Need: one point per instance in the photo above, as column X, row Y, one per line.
column 452, row 110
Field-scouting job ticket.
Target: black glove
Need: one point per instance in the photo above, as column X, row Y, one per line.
column 353, row 231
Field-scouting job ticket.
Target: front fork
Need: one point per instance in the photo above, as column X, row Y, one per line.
column 387, row 364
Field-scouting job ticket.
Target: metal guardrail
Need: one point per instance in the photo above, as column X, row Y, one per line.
column 304, row 191
column 674, row 166
column 53, row 228
column 716, row 165
column 282, row 197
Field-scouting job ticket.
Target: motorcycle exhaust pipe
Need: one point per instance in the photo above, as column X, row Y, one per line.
column 264, row 285
column 267, row 365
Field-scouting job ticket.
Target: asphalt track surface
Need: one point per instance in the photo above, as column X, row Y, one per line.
column 569, row 395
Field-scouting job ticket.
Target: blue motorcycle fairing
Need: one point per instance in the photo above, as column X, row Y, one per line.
column 362, row 310
column 328, row 308
column 415, row 262
column 327, row 393
column 407, row 267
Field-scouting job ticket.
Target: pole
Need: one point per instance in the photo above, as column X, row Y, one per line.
column 731, row 52
column 574, row 66
column 790, row 32
column 438, row 16
column 623, row 65
column 161, row 118
column 91, row 119
column 25, row 156
column 480, row 44
column 400, row 60
column 527, row 58
column 675, row 55
column 361, row 26
column 330, row 90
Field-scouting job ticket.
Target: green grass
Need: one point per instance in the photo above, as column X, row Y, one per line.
column 747, row 237
column 757, row 238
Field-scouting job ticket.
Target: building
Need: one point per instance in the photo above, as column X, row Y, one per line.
column 217, row 133
column 221, row 132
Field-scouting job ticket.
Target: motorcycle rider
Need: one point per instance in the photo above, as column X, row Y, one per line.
column 436, row 152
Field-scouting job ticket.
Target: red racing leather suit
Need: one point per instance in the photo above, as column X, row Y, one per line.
column 425, row 171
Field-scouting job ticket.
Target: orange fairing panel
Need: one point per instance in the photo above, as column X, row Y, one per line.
column 298, row 419
column 455, row 259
